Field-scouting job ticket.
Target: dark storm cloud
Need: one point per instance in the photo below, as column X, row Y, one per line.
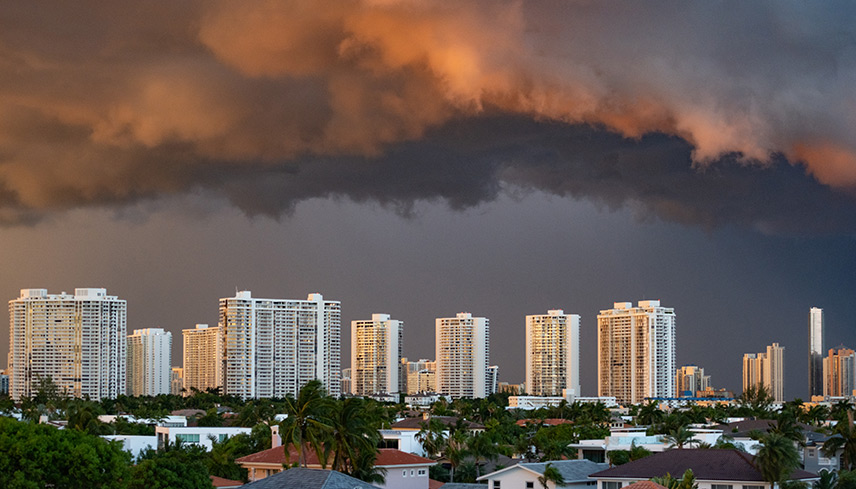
column 733, row 112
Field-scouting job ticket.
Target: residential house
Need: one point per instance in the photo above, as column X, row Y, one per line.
column 525, row 475
column 300, row 478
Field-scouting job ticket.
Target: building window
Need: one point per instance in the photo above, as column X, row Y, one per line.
column 496, row 484
column 530, row 485
column 187, row 438
column 753, row 487
column 421, row 472
column 222, row 437
column 403, row 473
column 720, row 486
column 611, row 485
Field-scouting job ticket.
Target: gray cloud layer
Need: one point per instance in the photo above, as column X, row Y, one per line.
column 695, row 113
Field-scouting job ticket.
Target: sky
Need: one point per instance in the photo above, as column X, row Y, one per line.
column 424, row 158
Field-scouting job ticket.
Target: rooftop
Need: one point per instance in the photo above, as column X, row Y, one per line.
column 299, row 478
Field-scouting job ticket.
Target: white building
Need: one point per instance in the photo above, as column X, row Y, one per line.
column 204, row 436
column 525, row 474
column 552, row 353
column 462, row 353
column 376, row 355
column 149, row 369
column 203, row 359
column 815, row 352
column 689, row 380
column 273, row 347
column 767, row 369
column 636, row 351
column 79, row 341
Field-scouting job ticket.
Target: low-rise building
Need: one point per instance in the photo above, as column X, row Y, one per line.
column 309, row 479
column 204, row 436
column 525, row 474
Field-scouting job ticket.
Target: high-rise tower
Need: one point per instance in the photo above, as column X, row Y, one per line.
column 273, row 347
column 462, row 349
column 203, row 359
column 149, row 368
column 636, row 351
column 376, row 355
column 766, row 369
column 553, row 353
column 79, row 341
column 839, row 370
column 815, row 352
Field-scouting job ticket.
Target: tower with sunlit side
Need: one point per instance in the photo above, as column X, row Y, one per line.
column 273, row 347
column 462, row 347
column 149, row 369
column 376, row 355
column 202, row 367
column 815, row 352
column 839, row 372
column 636, row 351
column 689, row 380
column 553, row 354
column 766, row 369
column 78, row 340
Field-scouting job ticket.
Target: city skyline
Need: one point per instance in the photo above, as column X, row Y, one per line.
column 423, row 159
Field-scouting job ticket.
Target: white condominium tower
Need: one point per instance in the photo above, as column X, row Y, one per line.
column 149, row 369
column 462, row 349
column 273, row 347
column 636, row 351
column 815, row 352
column 553, row 354
column 766, row 369
column 376, row 355
column 203, row 359
column 78, row 341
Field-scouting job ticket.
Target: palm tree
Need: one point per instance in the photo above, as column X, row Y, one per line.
column 306, row 424
column 844, row 439
column 687, row 481
column 551, row 474
column 483, row 447
column 431, row 436
column 828, row 480
column 777, row 457
column 649, row 414
column 353, row 434
column 677, row 438
column 456, row 450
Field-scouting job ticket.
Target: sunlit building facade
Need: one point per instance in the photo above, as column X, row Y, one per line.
column 421, row 375
column 636, row 351
column 839, row 371
column 816, row 382
column 376, row 355
column 462, row 355
column 78, row 340
column 273, row 347
column 149, row 369
column 689, row 380
column 176, row 380
column 553, row 354
column 766, row 369
column 203, row 359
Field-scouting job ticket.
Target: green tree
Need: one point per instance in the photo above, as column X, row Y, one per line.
column 353, row 436
column 756, row 400
column 551, row 474
column 843, row 439
column 38, row 455
column 432, row 436
column 649, row 414
column 777, row 457
column 174, row 467
column 210, row 418
column 306, row 424
column 456, row 450
column 687, row 481
column 828, row 479
column 483, row 447
column 678, row 438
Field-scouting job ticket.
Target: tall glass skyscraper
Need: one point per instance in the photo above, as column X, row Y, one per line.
column 815, row 352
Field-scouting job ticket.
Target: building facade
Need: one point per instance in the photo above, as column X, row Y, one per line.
column 462, row 355
column 421, row 375
column 553, row 353
column 176, row 380
column 149, row 369
column 78, row 340
column 690, row 380
column 273, row 347
column 376, row 355
column 766, row 369
column 815, row 352
column 203, row 359
column 839, row 372
column 636, row 351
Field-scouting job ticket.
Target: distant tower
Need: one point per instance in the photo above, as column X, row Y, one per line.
column 815, row 352
column 203, row 359
column 149, row 369
column 840, row 372
column 462, row 348
column 553, row 353
column 767, row 369
column 689, row 380
column 636, row 351
column 78, row 340
column 376, row 355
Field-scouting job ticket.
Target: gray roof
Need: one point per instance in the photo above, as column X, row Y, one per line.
column 300, row 478
column 462, row 485
column 571, row 470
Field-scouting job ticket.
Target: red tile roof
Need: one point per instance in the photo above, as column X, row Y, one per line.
column 386, row 457
column 644, row 485
column 432, row 484
column 221, row 482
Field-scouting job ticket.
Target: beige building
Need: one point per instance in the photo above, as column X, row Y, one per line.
column 553, row 354
column 376, row 355
column 462, row 356
column 690, row 380
column 421, row 375
column 766, row 369
column 839, row 372
column 176, row 380
column 78, row 340
column 149, row 354
column 636, row 351
column 203, row 359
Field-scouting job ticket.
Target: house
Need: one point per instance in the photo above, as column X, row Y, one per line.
column 204, row 436
column 300, row 478
column 403, row 470
column 221, row 483
column 525, row 475
column 402, row 434
column 713, row 469
column 627, row 438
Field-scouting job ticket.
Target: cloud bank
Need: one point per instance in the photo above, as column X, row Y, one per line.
column 700, row 113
